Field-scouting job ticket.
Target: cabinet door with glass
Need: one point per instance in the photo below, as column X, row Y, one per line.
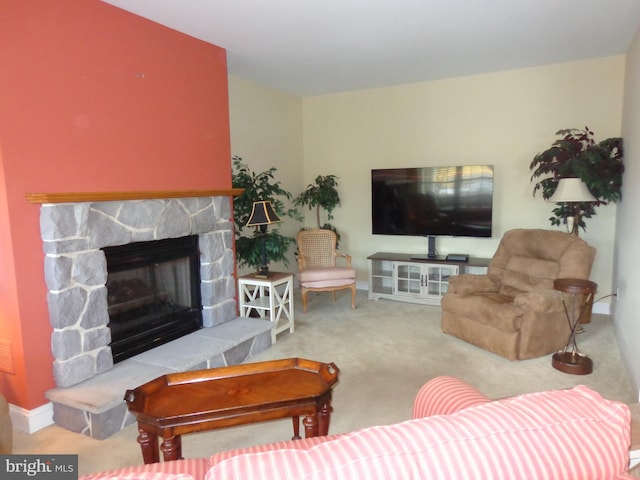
column 437, row 279
column 409, row 279
column 381, row 278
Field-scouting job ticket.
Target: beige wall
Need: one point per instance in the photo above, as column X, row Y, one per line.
column 501, row 118
column 266, row 131
column 627, row 258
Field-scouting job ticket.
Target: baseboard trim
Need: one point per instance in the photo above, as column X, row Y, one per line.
column 30, row 421
column 602, row 307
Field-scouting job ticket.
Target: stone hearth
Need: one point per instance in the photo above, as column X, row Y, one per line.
column 73, row 234
column 96, row 407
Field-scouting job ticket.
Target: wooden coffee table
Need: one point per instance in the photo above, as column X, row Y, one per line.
column 174, row 404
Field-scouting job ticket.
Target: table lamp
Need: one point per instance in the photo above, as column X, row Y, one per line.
column 262, row 215
column 572, row 190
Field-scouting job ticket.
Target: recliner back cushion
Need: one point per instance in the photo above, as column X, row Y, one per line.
column 531, row 259
column 526, row 274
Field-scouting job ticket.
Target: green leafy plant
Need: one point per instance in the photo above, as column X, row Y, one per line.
column 322, row 194
column 576, row 154
column 257, row 187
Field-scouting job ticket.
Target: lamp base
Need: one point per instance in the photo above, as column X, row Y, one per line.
column 572, row 363
column 263, row 273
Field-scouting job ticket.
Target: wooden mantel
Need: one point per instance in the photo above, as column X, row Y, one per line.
column 122, row 196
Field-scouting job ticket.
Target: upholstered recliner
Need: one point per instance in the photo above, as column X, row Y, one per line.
column 513, row 310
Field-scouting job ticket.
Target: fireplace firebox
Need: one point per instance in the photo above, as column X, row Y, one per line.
column 153, row 293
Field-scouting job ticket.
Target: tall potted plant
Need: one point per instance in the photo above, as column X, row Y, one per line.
column 321, row 195
column 576, row 154
column 257, row 187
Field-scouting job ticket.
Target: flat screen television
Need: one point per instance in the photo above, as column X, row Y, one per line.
column 432, row 201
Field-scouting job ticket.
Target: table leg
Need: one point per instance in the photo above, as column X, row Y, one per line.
column 569, row 359
column 324, row 418
column 149, row 446
column 171, row 448
column 296, row 428
column 310, row 423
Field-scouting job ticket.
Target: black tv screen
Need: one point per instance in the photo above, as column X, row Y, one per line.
column 432, row 201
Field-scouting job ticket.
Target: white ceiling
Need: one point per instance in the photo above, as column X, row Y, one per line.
column 309, row 47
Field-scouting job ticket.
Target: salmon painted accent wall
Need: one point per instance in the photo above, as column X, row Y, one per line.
column 93, row 98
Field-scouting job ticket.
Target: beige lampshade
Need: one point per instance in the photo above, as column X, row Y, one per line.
column 572, row 190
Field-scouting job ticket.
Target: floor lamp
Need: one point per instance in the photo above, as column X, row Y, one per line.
column 263, row 215
column 572, row 190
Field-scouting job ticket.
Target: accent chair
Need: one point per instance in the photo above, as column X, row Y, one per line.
column 318, row 267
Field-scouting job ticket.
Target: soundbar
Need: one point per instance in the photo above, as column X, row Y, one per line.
column 457, row 257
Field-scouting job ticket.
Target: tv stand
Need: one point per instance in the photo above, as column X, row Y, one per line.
column 416, row 278
column 431, row 252
column 427, row 257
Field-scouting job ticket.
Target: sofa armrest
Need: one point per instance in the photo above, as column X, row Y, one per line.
column 543, row 301
column 444, row 396
column 468, row 283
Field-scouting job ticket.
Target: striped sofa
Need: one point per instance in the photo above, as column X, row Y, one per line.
column 456, row 433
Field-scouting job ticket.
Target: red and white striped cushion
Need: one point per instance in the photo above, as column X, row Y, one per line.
column 187, row 469
column 439, row 396
column 565, row 434
column 302, row 444
column 148, row 476
column 444, row 396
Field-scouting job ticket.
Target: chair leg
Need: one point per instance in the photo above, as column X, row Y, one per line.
column 333, row 296
column 304, row 299
column 353, row 296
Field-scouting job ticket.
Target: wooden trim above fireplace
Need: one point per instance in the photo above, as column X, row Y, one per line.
column 121, row 196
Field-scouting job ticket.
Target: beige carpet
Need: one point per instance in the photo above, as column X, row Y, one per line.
column 386, row 351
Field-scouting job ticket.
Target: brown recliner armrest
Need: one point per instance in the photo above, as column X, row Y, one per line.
column 469, row 283
column 544, row 301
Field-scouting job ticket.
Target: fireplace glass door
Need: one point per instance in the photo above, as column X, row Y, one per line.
column 153, row 293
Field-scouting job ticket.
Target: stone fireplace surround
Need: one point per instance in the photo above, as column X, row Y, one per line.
column 73, row 234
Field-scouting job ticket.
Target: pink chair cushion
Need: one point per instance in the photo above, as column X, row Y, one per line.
column 327, row 277
column 556, row 434
column 327, row 274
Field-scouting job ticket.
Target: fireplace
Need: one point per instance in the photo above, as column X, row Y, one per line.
column 76, row 237
column 153, row 293
column 79, row 231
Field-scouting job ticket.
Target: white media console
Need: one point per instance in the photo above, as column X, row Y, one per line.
column 415, row 278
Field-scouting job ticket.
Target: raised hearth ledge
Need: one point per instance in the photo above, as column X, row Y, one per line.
column 122, row 196
column 96, row 407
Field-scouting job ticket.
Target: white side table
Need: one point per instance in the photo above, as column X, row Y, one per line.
column 270, row 297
